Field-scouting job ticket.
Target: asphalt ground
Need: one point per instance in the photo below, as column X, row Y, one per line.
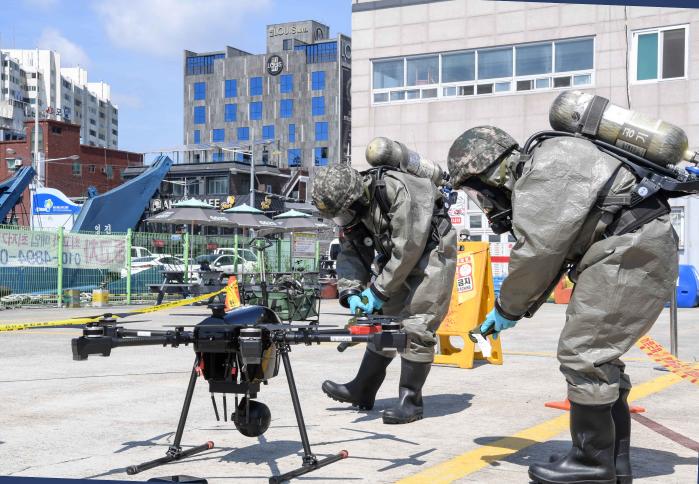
column 92, row 419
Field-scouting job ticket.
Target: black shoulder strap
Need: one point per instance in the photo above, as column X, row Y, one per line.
column 591, row 119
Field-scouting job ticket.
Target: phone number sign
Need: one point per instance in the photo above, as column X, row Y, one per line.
column 80, row 251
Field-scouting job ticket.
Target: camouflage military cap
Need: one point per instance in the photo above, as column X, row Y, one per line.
column 336, row 188
column 475, row 151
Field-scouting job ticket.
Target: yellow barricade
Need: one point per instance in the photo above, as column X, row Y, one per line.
column 472, row 298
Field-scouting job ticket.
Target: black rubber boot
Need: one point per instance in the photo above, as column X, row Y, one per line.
column 591, row 459
column 409, row 406
column 622, row 441
column 361, row 392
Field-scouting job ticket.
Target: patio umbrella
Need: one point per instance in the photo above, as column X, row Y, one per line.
column 295, row 221
column 191, row 212
column 245, row 216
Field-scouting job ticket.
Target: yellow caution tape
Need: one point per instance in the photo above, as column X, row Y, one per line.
column 80, row 321
column 176, row 304
column 657, row 353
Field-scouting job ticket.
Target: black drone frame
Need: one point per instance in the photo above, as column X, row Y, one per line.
column 99, row 338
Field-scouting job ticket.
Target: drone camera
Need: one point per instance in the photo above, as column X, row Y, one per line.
column 251, row 346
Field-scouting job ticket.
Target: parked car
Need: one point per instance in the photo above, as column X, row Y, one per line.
column 247, row 254
column 227, row 264
column 138, row 252
column 162, row 261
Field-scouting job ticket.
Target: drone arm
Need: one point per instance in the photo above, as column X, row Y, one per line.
column 101, row 340
column 380, row 339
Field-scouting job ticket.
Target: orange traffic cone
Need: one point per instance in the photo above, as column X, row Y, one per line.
column 565, row 405
column 232, row 294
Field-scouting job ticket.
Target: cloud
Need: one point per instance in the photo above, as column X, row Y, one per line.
column 127, row 100
column 165, row 28
column 71, row 53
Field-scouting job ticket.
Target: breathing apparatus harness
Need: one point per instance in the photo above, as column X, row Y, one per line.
column 357, row 233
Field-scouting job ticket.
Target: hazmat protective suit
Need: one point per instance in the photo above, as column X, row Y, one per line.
column 395, row 229
column 415, row 268
column 569, row 211
column 563, row 202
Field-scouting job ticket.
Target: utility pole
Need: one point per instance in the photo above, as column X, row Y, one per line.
column 252, row 173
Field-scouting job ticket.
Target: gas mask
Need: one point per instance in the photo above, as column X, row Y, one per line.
column 492, row 191
column 350, row 216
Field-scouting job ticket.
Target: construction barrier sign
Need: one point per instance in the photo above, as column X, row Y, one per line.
column 472, row 298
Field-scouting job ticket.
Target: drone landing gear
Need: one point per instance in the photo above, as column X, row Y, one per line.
column 175, row 451
column 310, row 461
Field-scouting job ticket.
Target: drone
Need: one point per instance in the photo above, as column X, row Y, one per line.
column 236, row 352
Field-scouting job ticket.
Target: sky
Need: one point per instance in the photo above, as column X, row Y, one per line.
column 137, row 47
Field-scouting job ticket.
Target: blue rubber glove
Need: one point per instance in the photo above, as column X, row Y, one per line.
column 494, row 318
column 373, row 303
column 355, row 302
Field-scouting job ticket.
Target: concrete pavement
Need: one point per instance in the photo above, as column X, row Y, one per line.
column 91, row 419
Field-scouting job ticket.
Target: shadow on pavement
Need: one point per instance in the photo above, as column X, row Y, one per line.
column 435, row 406
column 645, row 462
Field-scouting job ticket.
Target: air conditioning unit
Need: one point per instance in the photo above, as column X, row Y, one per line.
column 18, row 164
column 295, row 194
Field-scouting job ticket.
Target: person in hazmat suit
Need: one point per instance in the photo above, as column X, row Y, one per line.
column 396, row 228
column 566, row 202
column 464, row 235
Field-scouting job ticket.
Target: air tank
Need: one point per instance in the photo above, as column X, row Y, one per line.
column 383, row 151
column 654, row 139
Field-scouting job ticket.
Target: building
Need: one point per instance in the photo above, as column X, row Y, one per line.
column 288, row 107
column 63, row 93
column 425, row 71
column 70, row 166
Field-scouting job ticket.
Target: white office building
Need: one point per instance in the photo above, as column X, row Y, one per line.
column 425, row 71
column 31, row 78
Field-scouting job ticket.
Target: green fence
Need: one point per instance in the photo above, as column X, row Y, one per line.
column 53, row 267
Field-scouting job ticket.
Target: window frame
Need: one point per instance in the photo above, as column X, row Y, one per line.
column 424, row 93
column 250, row 110
column 291, row 133
column 196, row 110
column 321, row 74
column 286, row 83
column 265, row 132
column 286, row 113
column 215, row 133
column 324, row 130
column 315, row 102
column 262, row 86
column 633, row 53
column 245, row 129
column 226, row 91
column 227, row 111
column 198, row 94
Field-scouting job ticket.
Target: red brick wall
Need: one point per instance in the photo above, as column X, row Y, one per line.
column 61, row 140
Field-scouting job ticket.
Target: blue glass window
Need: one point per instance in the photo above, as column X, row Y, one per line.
column 203, row 64
column 317, row 80
column 199, row 114
column 318, row 105
column 255, row 86
column 197, row 136
column 322, row 131
column 243, row 134
column 294, row 157
column 321, row 156
column 286, row 108
column 231, row 88
column 199, row 91
column 268, row 131
column 231, row 112
column 217, row 155
column 286, row 83
column 292, row 133
column 256, row 110
column 319, row 52
column 218, row 135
